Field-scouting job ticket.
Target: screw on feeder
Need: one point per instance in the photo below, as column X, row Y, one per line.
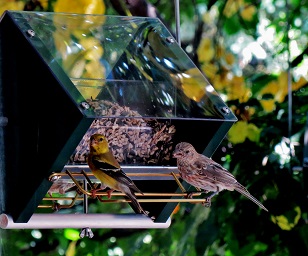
column 225, row 110
column 85, row 105
column 30, row 33
column 55, row 178
column 170, row 40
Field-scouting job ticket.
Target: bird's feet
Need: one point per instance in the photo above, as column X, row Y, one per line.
column 147, row 214
column 207, row 202
column 189, row 195
column 94, row 191
column 109, row 192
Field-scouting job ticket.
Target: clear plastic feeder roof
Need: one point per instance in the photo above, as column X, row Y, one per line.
column 66, row 76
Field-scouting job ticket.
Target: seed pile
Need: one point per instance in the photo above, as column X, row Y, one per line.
column 132, row 139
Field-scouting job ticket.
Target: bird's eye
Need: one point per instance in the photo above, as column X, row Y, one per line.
column 187, row 151
column 101, row 139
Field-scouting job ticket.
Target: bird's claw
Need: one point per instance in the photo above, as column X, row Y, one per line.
column 93, row 192
column 189, row 195
column 109, row 192
column 147, row 213
column 207, row 202
column 56, row 206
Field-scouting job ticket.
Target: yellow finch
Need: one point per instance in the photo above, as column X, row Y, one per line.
column 202, row 172
column 106, row 168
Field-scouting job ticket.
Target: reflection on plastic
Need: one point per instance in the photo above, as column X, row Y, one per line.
column 132, row 61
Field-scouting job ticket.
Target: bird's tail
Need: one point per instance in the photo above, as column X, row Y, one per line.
column 134, row 188
column 135, row 204
column 241, row 189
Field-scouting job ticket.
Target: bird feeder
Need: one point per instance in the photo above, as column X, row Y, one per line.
column 67, row 76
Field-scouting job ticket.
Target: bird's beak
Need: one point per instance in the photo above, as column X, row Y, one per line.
column 176, row 154
column 93, row 141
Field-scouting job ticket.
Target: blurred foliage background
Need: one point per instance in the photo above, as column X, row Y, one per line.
column 252, row 52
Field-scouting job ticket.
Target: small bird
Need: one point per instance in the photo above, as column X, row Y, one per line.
column 61, row 187
column 202, row 172
column 106, row 168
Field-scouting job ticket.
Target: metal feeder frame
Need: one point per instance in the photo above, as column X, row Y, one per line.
column 43, row 117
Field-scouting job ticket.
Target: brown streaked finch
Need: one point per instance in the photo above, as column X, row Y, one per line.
column 204, row 173
column 61, row 187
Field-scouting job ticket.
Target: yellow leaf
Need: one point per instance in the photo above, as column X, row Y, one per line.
column 93, row 48
column 62, row 42
column 73, row 23
column 279, row 89
column 284, row 223
column 80, row 6
column 271, row 88
column 11, row 5
column 238, row 132
column 253, row 132
column 220, row 81
column 248, row 12
column 209, row 69
column 205, row 50
column 94, row 70
column 229, row 58
column 192, row 83
column 268, row 105
column 44, row 3
column 237, row 89
column 300, row 83
column 298, row 215
column 231, row 7
column 220, row 51
column 71, row 249
column 242, row 130
column 89, row 88
column 74, row 64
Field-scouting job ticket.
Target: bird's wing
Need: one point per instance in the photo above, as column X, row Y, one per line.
column 109, row 158
column 213, row 171
column 115, row 173
column 134, row 202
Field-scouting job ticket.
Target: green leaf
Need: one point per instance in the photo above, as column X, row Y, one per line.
column 208, row 233
column 71, row 234
column 229, row 253
column 261, row 80
column 232, row 25
column 303, row 232
column 295, row 3
column 253, row 248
